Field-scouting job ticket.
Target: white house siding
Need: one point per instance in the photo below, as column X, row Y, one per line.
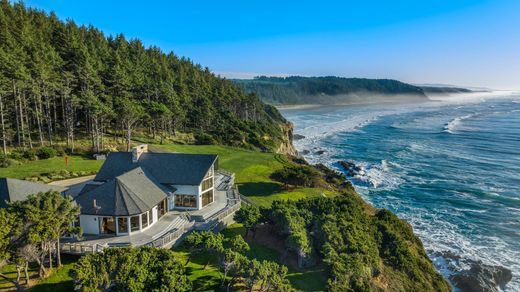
column 89, row 224
column 154, row 215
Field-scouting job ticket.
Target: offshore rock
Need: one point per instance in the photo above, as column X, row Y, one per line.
column 297, row 137
column 350, row 168
column 475, row 276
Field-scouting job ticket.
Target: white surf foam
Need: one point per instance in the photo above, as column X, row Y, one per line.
column 451, row 126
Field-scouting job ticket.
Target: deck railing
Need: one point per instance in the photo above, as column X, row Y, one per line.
column 214, row 220
column 80, row 248
column 167, row 238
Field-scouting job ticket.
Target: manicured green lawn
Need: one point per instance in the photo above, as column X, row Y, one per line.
column 33, row 168
column 59, row 280
column 252, row 170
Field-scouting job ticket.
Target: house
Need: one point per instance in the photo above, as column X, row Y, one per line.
column 12, row 190
column 133, row 190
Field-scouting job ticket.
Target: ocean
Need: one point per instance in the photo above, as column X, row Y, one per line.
column 451, row 168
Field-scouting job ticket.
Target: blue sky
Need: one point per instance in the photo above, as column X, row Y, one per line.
column 460, row 42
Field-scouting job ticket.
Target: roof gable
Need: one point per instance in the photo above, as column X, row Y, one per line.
column 134, row 192
column 12, row 189
column 167, row 168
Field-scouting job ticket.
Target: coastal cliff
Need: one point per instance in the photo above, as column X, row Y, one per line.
column 286, row 146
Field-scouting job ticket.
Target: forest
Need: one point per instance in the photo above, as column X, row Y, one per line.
column 363, row 249
column 328, row 90
column 60, row 82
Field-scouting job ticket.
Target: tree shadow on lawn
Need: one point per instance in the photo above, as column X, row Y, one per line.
column 54, row 287
column 259, row 189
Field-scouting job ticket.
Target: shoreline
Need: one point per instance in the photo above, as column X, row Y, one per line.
column 313, row 106
column 477, row 95
column 504, row 273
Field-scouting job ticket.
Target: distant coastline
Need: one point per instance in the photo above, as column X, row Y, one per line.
column 311, row 106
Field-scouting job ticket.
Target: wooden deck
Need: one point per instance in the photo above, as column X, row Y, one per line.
column 170, row 228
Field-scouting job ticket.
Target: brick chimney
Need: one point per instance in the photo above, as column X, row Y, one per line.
column 137, row 151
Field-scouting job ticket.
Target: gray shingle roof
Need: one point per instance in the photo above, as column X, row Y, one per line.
column 167, row 168
column 131, row 193
column 12, row 189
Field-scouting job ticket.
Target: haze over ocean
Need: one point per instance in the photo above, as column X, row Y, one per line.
column 450, row 168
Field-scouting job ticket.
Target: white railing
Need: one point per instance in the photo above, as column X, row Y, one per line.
column 80, row 248
column 164, row 239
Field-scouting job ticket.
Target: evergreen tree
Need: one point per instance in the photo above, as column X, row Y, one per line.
column 63, row 82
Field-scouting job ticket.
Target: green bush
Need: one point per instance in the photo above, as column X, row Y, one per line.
column 16, row 155
column 30, row 155
column 5, row 161
column 297, row 175
column 46, row 153
column 204, row 139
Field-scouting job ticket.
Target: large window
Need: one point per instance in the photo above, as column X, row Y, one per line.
column 144, row 219
column 207, row 183
column 207, row 198
column 161, row 209
column 122, row 225
column 134, row 223
column 186, row 201
column 107, row 225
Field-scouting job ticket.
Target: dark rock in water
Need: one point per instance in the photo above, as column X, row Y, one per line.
column 350, row 168
column 304, row 152
column 479, row 276
column 319, row 152
column 297, row 137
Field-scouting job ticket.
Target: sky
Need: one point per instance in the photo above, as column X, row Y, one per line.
column 458, row 42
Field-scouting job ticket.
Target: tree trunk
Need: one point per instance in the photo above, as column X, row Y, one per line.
column 18, row 273
column 37, row 103
column 102, row 146
column 128, row 136
column 50, row 258
column 26, row 272
column 48, row 118
column 23, row 111
column 4, row 146
column 15, row 99
column 58, row 253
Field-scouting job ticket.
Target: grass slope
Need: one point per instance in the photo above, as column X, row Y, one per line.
column 34, row 168
column 252, row 170
column 59, row 279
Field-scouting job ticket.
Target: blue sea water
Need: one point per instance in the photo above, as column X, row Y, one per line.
column 451, row 168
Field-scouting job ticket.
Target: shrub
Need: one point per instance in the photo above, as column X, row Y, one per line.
column 4, row 161
column 46, row 153
column 16, row 155
column 204, row 139
column 297, row 175
column 30, row 155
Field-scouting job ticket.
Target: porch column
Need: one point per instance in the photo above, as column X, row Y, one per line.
column 117, row 225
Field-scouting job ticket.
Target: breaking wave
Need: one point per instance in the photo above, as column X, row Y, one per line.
column 451, row 126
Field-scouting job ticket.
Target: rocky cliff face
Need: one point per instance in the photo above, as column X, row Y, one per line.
column 287, row 147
